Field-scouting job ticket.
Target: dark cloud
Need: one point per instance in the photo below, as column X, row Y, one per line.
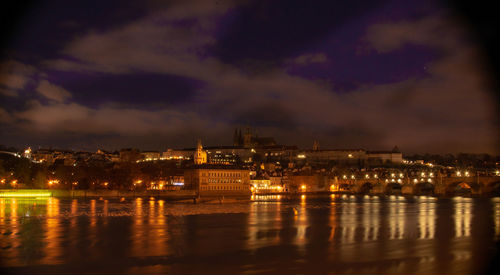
column 142, row 90
column 275, row 30
column 176, row 73
column 266, row 115
column 40, row 29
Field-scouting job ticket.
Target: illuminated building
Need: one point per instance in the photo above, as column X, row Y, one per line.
column 27, row 153
column 213, row 179
column 218, row 157
column 175, row 182
column 200, row 156
column 249, row 140
column 130, row 155
column 349, row 156
column 151, row 155
column 265, row 186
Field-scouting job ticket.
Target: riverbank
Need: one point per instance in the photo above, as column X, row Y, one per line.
column 181, row 195
column 33, row 193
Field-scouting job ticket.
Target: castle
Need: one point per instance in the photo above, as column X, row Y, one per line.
column 249, row 140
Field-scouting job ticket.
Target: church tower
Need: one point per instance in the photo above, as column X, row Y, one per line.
column 247, row 139
column 316, row 145
column 200, row 156
column 236, row 140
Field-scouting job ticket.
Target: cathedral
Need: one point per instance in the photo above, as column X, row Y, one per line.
column 200, row 156
column 250, row 140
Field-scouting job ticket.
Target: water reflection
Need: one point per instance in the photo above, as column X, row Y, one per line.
column 52, row 250
column 264, row 221
column 358, row 234
column 396, row 218
column 496, row 217
column 463, row 216
column 426, row 218
column 347, row 221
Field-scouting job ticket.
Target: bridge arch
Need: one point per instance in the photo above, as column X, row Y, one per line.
column 463, row 187
column 393, row 187
column 492, row 188
column 365, row 187
column 424, row 188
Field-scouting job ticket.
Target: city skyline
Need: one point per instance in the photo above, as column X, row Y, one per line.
column 161, row 75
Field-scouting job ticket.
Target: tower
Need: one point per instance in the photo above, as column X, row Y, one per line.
column 200, row 156
column 247, row 139
column 236, row 141
column 240, row 138
column 316, row 145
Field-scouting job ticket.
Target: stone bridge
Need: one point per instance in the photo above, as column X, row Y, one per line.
column 436, row 184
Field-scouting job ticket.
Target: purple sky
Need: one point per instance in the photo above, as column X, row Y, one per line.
column 160, row 74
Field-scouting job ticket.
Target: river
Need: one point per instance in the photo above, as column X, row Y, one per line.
column 341, row 234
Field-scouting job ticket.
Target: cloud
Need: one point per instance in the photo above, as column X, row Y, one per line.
column 5, row 117
column 310, row 58
column 449, row 109
column 15, row 75
column 52, row 91
column 8, row 92
column 431, row 31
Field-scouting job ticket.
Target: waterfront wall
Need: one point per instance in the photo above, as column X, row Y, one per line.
column 179, row 194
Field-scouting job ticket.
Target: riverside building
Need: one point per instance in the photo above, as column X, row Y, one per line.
column 217, row 180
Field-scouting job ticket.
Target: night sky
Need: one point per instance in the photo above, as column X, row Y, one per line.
column 160, row 74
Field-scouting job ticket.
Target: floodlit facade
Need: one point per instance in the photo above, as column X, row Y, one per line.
column 200, row 156
column 207, row 179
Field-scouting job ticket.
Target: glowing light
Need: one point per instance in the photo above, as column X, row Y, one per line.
column 13, row 183
column 24, row 193
column 350, row 156
column 75, row 183
column 422, row 174
column 367, row 176
column 459, row 174
column 431, row 174
column 393, row 175
column 105, row 183
column 401, row 175
column 2, row 181
column 352, row 177
column 344, row 177
column 301, row 156
column 466, row 173
column 415, row 180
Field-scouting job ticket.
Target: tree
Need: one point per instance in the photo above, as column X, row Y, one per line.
column 40, row 179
